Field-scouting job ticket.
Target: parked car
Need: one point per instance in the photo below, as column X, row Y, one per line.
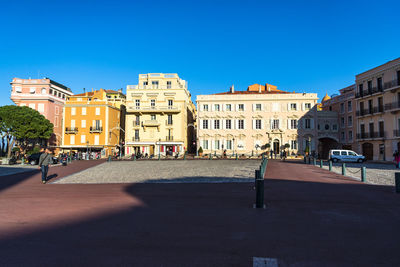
column 33, row 159
column 337, row 155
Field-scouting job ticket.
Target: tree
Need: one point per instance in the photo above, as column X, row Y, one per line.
column 23, row 124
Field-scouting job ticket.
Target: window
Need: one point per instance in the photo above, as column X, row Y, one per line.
column 293, row 124
column 258, row 107
column 343, row 153
column 241, row 124
column 369, row 86
column 216, row 124
column 327, row 126
column 83, row 139
column 275, row 124
column 137, row 135
column 170, row 103
column 153, row 103
column 216, row 144
column 56, row 110
column 73, row 124
column 72, row 139
column 228, row 124
column 98, row 124
column 307, row 106
column 137, row 103
column 59, row 94
column 336, row 153
column 342, row 136
column 293, row 144
column 73, row 111
column 18, row 89
column 97, row 139
column 145, row 83
column 55, row 93
column 229, row 144
column 350, row 135
column 379, row 83
column 168, row 84
column 351, row 153
column 137, row 121
column 216, row 107
column 258, row 124
column 341, row 107
column 32, row 105
column 349, row 106
column 169, row 119
column 83, row 123
column 228, row 107
column 205, row 124
column 381, row 129
column 241, row 107
column 360, row 89
column 349, row 121
column 154, row 84
column 43, row 91
column 293, row 106
column 97, row 111
column 41, row 107
column 205, row 107
column 153, row 117
column 83, row 111
column 307, row 123
column 205, row 144
column 56, row 121
column 32, row 90
column 342, row 122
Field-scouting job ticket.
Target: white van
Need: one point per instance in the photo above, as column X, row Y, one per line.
column 337, row 155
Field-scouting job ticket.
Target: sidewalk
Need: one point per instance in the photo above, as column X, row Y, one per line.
column 313, row 218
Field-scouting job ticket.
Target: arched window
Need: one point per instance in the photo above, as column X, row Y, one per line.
column 43, row 91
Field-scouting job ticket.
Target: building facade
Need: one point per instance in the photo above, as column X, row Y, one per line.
column 92, row 122
column 378, row 111
column 160, row 116
column 260, row 119
column 344, row 106
column 46, row 96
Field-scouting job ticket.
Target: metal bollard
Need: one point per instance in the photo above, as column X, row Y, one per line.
column 321, row 164
column 109, row 158
column 397, row 181
column 305, row 160
column 215, row 153
column 259, row 193
column 257, row 175
column 314, row 161
column 184, row 156
column 330, row 165
column 343, row 168
column 209, row 156
column 236, row 156
column 134, row 157
column 363, row 174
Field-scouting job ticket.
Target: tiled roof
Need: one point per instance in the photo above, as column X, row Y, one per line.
column 253, row 92
column 84, row 94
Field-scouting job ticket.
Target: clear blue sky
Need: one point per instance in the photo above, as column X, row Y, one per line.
column 303, row 46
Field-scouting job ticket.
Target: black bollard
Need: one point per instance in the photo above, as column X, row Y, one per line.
column 397, row 181
column 305, row 160
column 259, row 193
column 330, row 165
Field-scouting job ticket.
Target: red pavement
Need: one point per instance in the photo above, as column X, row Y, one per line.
column 313, row 218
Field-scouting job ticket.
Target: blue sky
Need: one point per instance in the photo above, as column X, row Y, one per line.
column 302, row 46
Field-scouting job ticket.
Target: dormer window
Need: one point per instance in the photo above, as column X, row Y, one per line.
column 168, row 84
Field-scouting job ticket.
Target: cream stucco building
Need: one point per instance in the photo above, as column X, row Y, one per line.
column 248, row 122
column 160, row 116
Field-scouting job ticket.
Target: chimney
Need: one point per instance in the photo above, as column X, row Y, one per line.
column 259, row 88
column 232, row 88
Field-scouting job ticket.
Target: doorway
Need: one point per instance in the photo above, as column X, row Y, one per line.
column 276, row 146
column 368, row 151
column 151, row 150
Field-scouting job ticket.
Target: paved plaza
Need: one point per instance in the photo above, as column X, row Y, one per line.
column 313, row 217
column 167, row 171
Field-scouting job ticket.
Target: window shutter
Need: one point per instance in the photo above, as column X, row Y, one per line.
column 244, row 107
column 281, row 124
column 254, row 122
column 288, row 123
column 211, row 124
column 288, row 106
column 201, row 107
column 201, row 125
column 262, row 124
column 271, row 124
column 254, row 107
column 244, row 124
column 303, row 106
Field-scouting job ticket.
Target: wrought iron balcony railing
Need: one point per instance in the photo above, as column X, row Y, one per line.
column 96, row 129
column 71, row 130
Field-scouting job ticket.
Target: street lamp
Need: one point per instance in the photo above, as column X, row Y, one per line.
column 197, row 151
column 233, row 145
column 87, row 150
column 159, row 148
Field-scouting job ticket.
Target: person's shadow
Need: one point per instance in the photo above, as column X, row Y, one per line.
column 51, row 177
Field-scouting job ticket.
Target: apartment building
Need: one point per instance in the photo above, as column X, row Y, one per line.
column 160, row 117
column 344, row 106
column 93, row 122
column 46, row 96
column 260, row 119
column 378, row 111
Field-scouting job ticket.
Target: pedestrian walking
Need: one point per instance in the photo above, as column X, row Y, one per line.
column 396, row 156
column 284, row 155
column 44, row 162
column 271, row 152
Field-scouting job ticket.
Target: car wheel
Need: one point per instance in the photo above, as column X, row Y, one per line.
column 335, row 160
column 359, row 160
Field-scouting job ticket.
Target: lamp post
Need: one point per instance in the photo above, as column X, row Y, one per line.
column 197, row 150
column 87, row 149
column 233, row 145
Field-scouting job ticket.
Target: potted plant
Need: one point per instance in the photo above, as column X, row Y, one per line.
column 200, row 151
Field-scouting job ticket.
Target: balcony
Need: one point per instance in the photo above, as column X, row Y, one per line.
column 154, row 109
column 369, row 92
column 96, row 129
column 396, row 133
column 371, row 135
column 392, row 106
column 151, row 123
column 71, row 130
column 392, row 84
column 169, row 138
column 370, row 111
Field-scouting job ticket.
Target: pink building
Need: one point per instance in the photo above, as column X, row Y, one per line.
column 46, row 96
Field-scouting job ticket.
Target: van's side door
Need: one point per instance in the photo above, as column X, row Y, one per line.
column 343, row 156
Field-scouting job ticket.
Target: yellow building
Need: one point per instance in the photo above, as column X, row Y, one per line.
column 160, row 116
column 94, row 121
